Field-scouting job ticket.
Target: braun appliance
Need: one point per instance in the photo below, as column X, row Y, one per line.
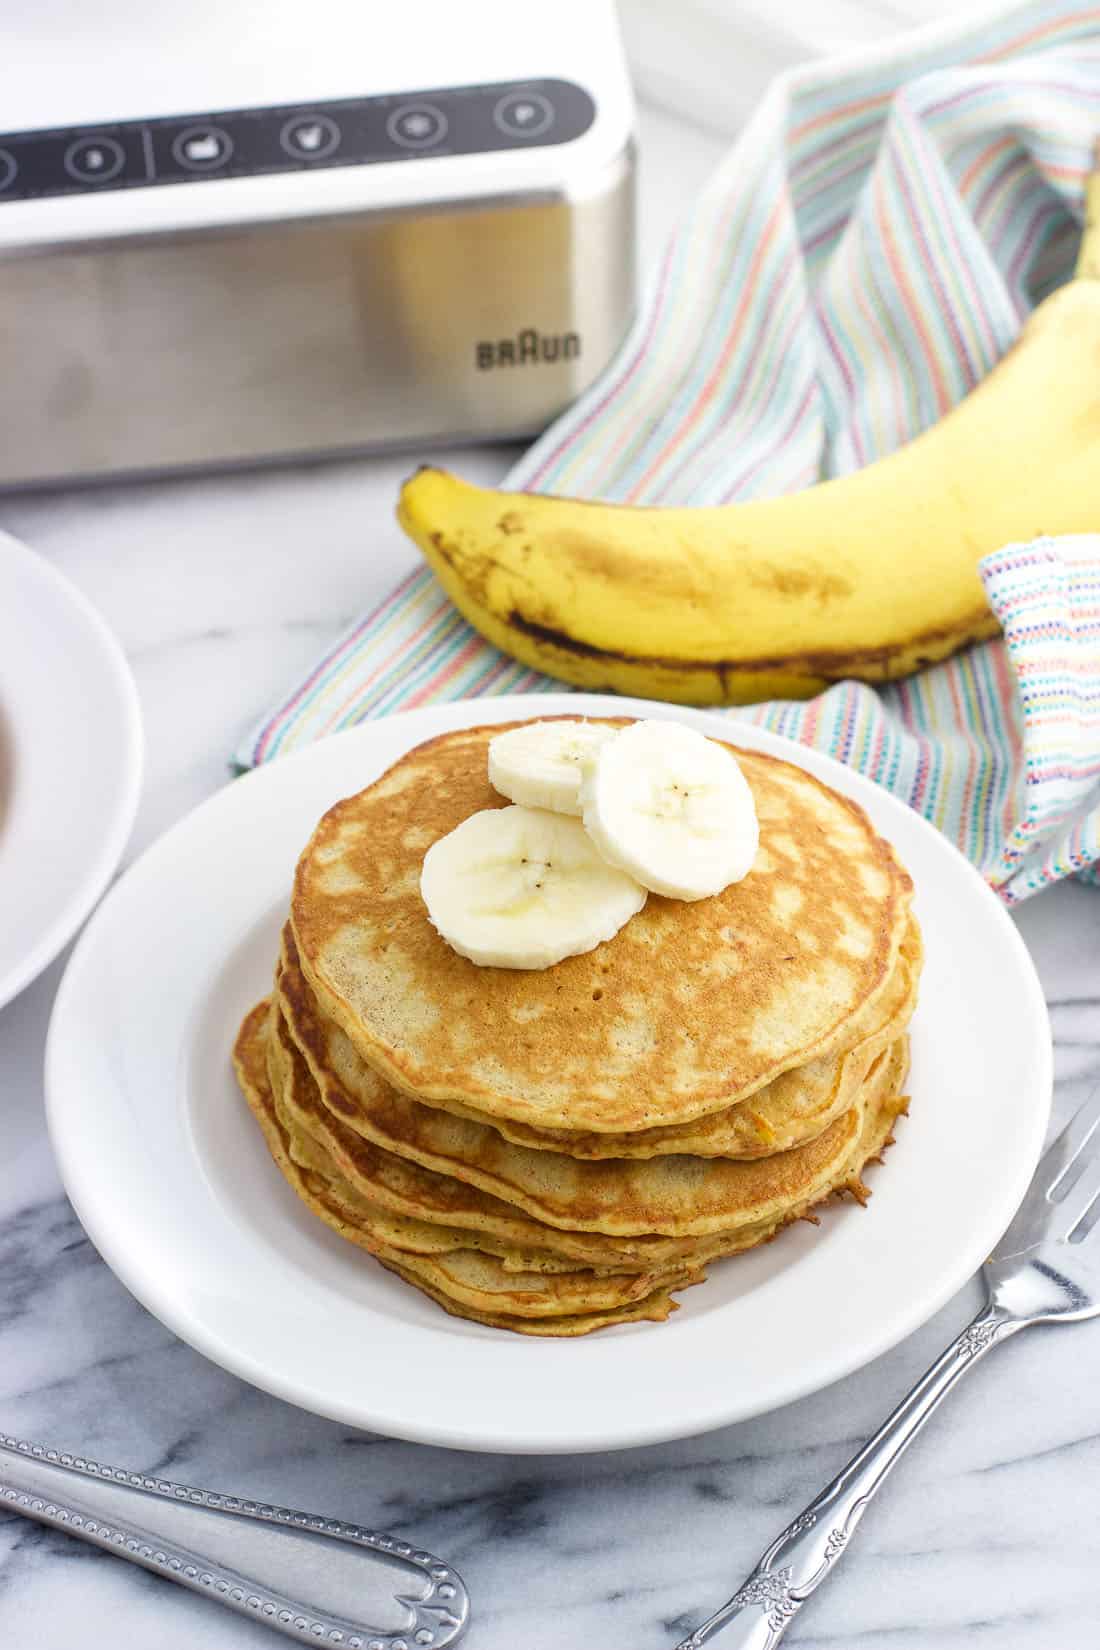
column 242, row 230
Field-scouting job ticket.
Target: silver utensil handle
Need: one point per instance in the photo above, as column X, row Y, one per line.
column 318, row 1580
column 798, row 1561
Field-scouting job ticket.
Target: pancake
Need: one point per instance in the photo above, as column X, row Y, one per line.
column 689, row 1009
column 471, row 1279
column 352, row 1162
column 399, row 1188
column 348, row 1163
column 480, row 1282
column 555, row 1151
column 471, row 1285
column 654, row 1309
column 342, row 1205
column 788, row 1111
column 674, row 1195
column 375, row 1228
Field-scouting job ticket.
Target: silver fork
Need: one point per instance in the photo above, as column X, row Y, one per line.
column 1042, row 1271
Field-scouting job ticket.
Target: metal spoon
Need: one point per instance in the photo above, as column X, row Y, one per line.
column 318, row 1580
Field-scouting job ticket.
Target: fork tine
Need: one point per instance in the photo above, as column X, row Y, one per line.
column 1043, row 1213
column 1087, row 1216
column 1064, row 1151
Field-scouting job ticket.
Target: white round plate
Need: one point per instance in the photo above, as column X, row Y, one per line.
column 70, row 762
column 172, row 1180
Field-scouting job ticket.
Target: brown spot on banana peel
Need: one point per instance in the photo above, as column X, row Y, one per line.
column 798, row 582
column 673, row 578
column 869, row 664
column 684, row 579
column 474, row 568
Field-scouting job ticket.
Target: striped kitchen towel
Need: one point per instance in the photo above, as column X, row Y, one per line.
column 868, row 250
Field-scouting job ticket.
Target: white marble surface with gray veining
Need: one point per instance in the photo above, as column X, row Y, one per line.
column 221, row 590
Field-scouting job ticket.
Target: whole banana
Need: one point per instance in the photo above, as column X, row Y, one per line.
column 870, row 575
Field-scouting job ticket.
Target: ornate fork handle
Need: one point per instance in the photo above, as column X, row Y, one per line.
column 318, row 1580
column 798, row 1561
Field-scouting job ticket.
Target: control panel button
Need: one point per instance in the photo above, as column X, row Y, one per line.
column 524, row 115
column 203, row 145
column 310, row 137
column 94, row 159
column 417, row 125
column 202, row 148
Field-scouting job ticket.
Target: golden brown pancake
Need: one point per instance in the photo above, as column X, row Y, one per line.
column 654, row 1308
column 402, row 1187
column 689, row 1009
column 481, row 1282
column 349, row 1163
column 362, row 1219
column 790, row 1110
column 676, row 1196
column 473, row 1284
column 483, row 1285
column 556, row 1151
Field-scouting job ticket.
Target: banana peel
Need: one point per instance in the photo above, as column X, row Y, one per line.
column 871, row 575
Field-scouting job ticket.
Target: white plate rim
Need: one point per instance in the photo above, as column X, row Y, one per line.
column 101, row 840
column 94, row 1209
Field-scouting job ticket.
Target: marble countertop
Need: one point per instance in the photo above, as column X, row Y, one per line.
column 220, row 591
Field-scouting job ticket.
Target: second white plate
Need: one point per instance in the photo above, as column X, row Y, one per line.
column 171, row 1178
column 70, row 761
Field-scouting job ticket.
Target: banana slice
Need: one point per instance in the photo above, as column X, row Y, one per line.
column 540, row 763
column 523, row 888
column 672, row 809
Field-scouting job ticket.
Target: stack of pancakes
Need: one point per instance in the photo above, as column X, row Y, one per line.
column 555, row 1150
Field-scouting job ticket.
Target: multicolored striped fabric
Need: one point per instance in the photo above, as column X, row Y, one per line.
column 868, row 250
column 999, row 747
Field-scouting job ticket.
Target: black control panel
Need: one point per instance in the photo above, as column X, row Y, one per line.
column 247, row 143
